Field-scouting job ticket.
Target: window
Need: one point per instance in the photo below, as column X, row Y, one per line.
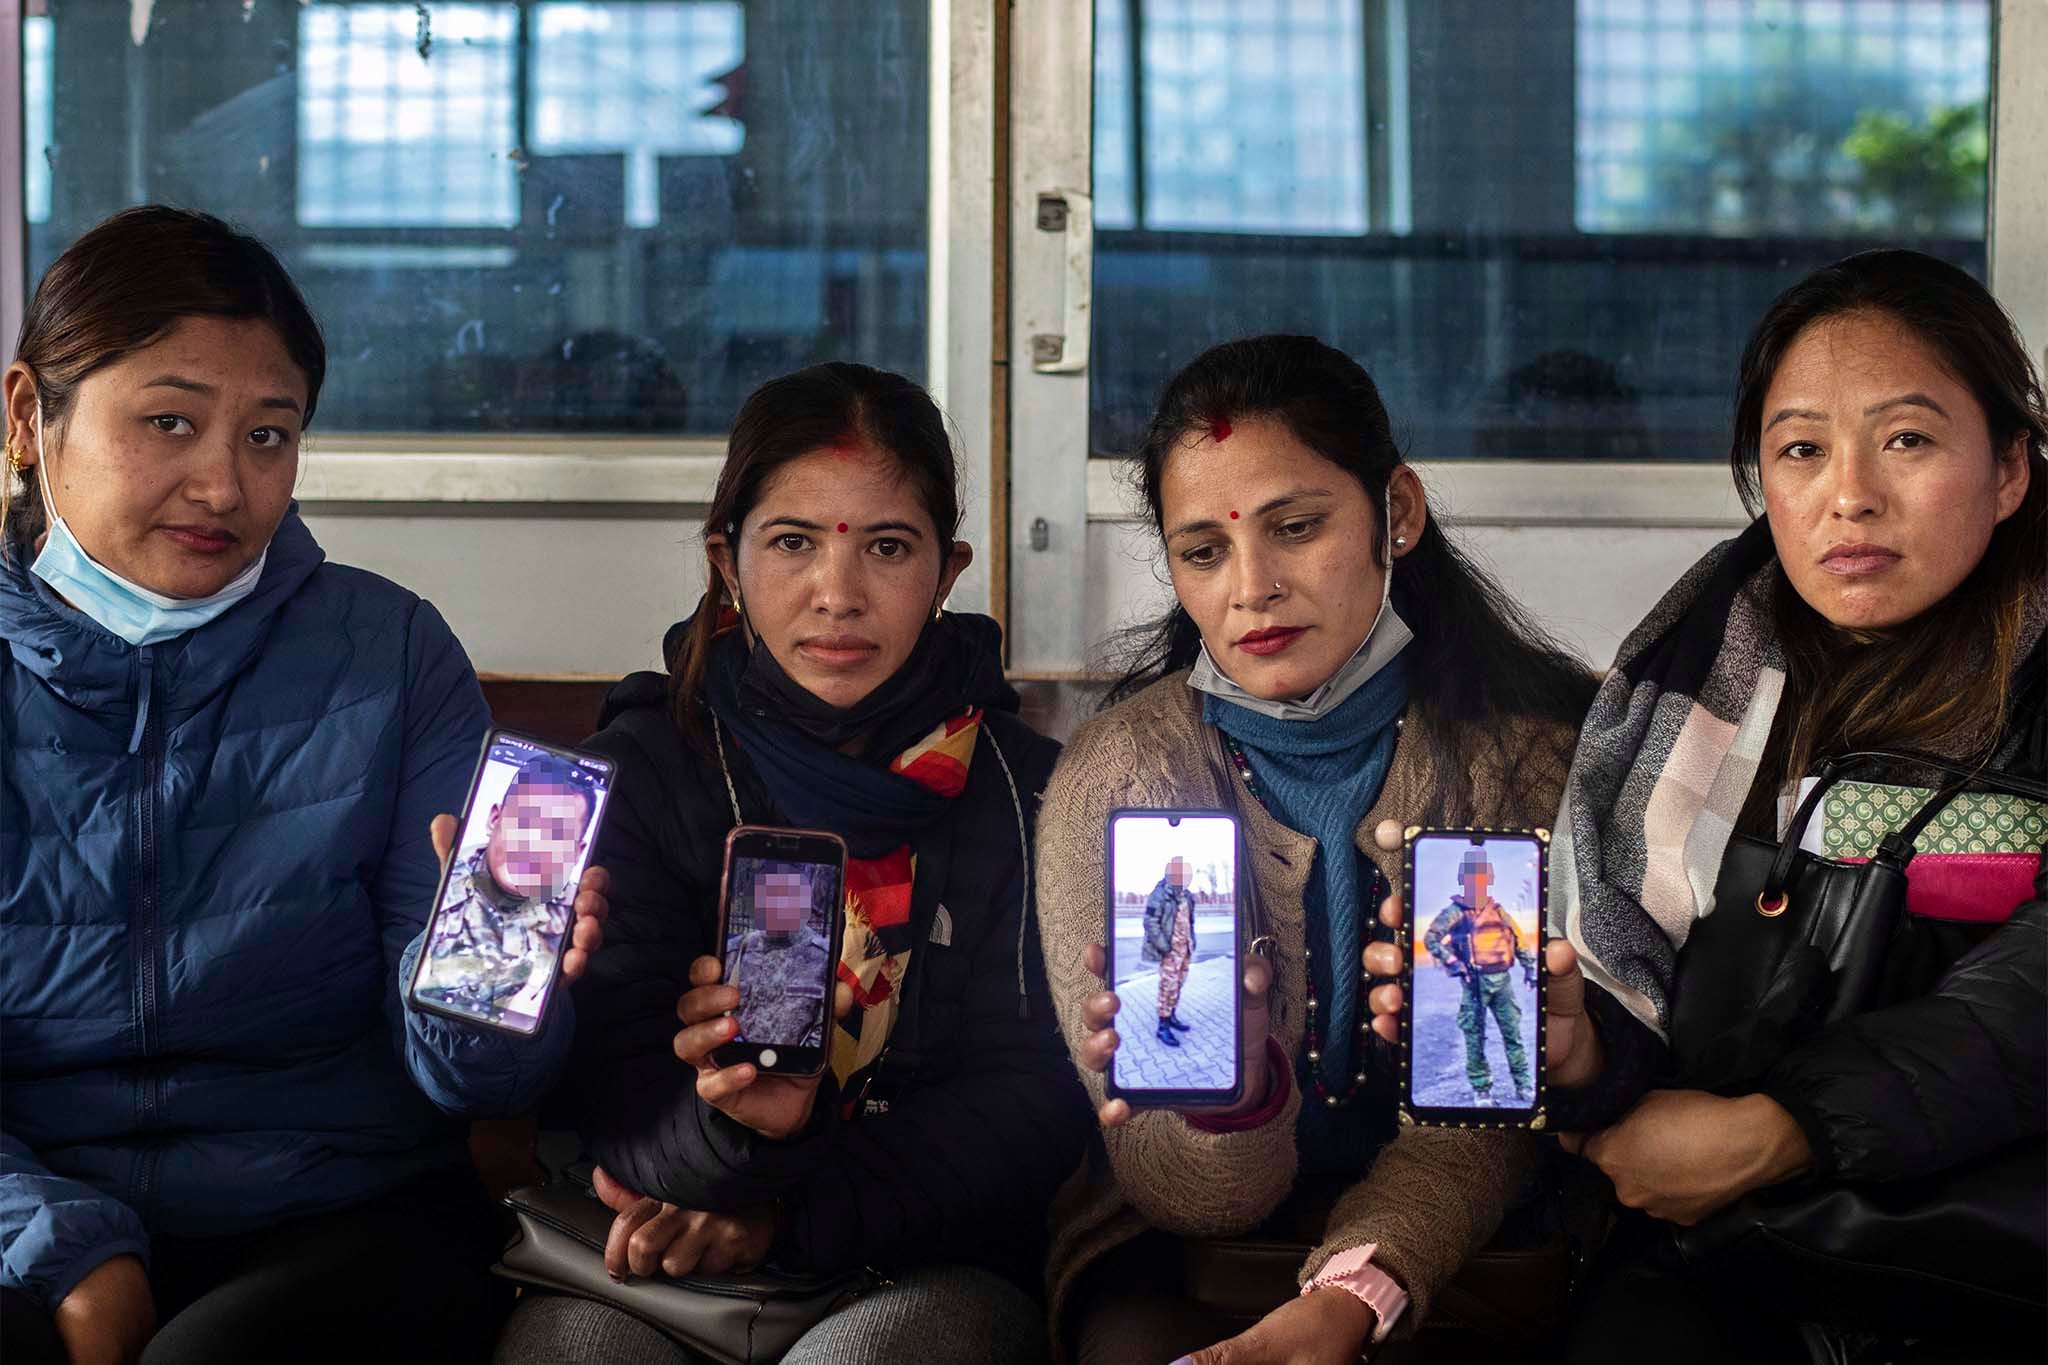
column 531, row 215
column 1793, row 117
column 35, row 107
column 649, row 80
column 1252, row 115
column 1584, row 205
column 406, row 117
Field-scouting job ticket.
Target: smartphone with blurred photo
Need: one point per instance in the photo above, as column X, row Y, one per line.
column 1472, row 1026
column 1174, row 948
column 781, row 918
column 506, row 902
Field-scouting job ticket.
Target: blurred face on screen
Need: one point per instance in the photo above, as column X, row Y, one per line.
column 536, row 837
column 782, row 901
column 1477, row 881
column 1177, row 872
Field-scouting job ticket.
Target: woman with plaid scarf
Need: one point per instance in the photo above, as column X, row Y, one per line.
column 1889, row 427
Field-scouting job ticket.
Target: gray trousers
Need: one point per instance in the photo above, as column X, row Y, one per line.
column 947, row 1314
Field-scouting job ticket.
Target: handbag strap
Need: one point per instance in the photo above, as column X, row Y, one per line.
column 1896, row 847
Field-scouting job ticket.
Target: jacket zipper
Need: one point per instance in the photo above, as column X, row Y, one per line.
column 148, row 800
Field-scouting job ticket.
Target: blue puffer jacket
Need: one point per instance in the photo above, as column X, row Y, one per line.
column 213, row 859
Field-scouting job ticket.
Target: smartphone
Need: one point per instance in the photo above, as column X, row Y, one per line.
column 1175, row 948
column 780, row 919
column 506, row 903
column 1472, row 1024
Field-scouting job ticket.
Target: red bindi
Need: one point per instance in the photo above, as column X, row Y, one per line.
column 1233, row 514
column 842, row 528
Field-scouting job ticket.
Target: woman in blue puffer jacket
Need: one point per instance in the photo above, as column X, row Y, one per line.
column 219, row 761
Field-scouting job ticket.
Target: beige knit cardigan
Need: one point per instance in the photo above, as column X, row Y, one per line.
column 1435, row 1195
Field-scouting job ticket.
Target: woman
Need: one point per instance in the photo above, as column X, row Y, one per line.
column 1889, row 427
column 822, row 685
column 1313, row 588
column 219, row 758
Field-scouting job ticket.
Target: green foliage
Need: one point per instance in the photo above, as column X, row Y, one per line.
column 1931, row 174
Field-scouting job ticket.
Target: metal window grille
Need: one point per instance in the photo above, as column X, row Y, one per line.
column 407, row 116
column 1730, row 116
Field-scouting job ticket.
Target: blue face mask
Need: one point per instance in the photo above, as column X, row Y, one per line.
column 129, row 610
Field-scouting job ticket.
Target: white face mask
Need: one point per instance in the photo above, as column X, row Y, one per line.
column 1387, row 637
column 129, row 610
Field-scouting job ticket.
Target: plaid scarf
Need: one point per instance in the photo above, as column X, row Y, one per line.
column 1666, row 761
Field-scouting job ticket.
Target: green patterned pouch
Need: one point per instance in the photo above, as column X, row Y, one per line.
column 1854, row 816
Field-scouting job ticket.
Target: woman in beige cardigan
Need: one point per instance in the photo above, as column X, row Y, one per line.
column 1364, row 677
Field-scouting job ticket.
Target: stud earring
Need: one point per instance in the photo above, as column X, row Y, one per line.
column 1400, row 542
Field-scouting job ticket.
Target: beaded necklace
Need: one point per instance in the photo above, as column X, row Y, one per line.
column 1376, row 893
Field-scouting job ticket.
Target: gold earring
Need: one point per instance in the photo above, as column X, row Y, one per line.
column 13, row 456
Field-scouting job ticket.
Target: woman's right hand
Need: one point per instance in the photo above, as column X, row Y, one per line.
column 109, row 1316
column 773, row 1106
column 1574, row 1054
column 1098, row 1015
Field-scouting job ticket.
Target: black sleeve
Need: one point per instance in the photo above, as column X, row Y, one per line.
column 1933, row 1082
column 975, row 1155
column 636, row 1103
column 1636, row 1059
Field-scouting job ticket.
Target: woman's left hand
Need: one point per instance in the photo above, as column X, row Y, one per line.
column 586, row 934
column 1684, row 1155
column 650, row 1237
column 1327, row 1327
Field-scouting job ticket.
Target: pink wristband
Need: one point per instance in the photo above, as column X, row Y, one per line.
column 1354, row 1272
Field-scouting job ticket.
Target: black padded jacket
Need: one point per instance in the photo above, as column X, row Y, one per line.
column 973, row 1118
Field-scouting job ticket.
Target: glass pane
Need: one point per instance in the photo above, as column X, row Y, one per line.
column 548, row 216
column 1545, row 227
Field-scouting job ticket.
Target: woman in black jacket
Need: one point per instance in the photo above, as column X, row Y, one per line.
column 821, row 685
column 1890, row 428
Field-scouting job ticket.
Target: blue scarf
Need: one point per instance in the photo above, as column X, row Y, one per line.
column 1319, row 777
column 815, row 786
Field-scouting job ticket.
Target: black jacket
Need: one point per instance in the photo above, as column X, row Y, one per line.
column 974, row 1117
column 1952, row 1073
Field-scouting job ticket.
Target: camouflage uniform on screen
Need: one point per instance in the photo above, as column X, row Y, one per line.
column 496, row 941
column 782, row 979
column 1481, row 948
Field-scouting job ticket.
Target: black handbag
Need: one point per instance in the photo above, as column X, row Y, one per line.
column 1797, row 942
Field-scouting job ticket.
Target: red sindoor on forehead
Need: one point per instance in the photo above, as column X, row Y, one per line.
column 1219, row 428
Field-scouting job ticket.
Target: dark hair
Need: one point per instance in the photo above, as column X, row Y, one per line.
column 1941, row 681
column 551, row 770
column 835, row 404
column 1479, row 662
column 128, row 281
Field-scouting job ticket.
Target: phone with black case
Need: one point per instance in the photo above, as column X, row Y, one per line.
column 1472, row 1019
column 505, row 906
column 781, row 918
column 1174, row 950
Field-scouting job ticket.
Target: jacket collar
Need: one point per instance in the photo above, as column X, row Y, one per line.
column 95, row 670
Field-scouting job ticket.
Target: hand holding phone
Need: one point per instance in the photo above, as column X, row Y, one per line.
column 774, row 1106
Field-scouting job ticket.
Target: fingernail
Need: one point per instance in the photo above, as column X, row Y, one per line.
column 616, row 1277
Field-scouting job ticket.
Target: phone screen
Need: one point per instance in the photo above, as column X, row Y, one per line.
column 1174, row 957
column 507, row 898
column 783, row 909
column 1473, row 1015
